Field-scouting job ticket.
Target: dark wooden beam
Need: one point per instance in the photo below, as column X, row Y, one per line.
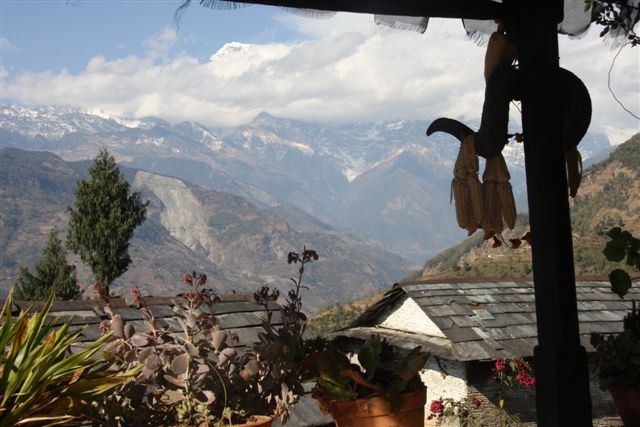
column 562, row 377
column 466, row 9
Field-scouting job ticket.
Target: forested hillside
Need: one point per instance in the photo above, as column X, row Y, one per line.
column 609, row 196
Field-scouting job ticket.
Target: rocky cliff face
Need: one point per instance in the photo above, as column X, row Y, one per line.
column 182, row 215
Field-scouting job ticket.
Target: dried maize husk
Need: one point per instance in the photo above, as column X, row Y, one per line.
column 467, row 161
column 465, row 187
column 489, row 202
column 460, row 193
column 475, row 196
column 507, row 203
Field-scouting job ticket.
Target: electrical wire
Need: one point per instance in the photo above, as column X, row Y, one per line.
column 609, row 82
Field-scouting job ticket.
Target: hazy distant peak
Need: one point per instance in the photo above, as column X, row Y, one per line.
column 264, row 116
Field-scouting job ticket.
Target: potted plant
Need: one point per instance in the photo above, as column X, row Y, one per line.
column 189, row 377
column 619, row 366
column 619, row 355
column 376, row 387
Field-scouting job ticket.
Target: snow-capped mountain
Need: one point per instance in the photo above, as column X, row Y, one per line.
column 386, row 180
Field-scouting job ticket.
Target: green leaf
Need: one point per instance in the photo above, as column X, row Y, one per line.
column 615, row 232
column 369, row 354
column 620, row 282
column 335, row 391
column 356, row 377
column 411, row 365
column 615, row 250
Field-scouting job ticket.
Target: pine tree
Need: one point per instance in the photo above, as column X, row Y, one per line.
column 103, row 219
column 52, row 273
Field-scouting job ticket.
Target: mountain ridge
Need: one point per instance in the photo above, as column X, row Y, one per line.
column 188, row 227
column 332, row 173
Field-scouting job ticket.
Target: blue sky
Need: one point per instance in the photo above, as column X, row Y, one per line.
column 61, row 34
column 221, row 68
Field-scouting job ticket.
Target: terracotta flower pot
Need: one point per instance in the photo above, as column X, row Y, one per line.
column 257, row 421
column 376, row 412
column 627, row 398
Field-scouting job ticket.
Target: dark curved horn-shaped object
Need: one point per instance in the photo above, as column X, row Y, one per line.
column 452, row 127
column 576, row 108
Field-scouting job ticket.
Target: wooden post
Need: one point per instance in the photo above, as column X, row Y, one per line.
column 562, row 377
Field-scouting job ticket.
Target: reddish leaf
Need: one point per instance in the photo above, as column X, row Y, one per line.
column 117, row 326
column 358, row 379
column 179, row 364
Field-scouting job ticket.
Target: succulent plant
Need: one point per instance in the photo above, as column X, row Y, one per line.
column 188, row 377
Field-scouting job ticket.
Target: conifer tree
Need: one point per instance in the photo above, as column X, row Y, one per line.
column 52, row 273
column 103, row 219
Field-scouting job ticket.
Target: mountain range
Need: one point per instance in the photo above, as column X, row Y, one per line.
column 384, row 181
column 188, row 227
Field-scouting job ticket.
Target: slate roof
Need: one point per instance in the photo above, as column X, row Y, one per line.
column 489, row 319
column 234, row 312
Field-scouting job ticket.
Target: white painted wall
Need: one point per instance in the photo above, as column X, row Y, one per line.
column 407, row 316
column 450, row 383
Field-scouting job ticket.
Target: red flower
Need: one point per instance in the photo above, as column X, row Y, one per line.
column 500, row 365
column 524, row 378
column 477, row 403
column 436, row 406
column 136, row 295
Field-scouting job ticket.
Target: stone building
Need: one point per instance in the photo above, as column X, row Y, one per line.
column 466, row 325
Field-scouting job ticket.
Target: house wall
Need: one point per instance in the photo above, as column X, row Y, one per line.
column 443, row 378
column 407, row 315
column 473, row 380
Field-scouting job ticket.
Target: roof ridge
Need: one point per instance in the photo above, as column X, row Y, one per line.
column 457, row 280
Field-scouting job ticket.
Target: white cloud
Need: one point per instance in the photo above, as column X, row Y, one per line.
column 345, row 69
column 159, row 44
column 591, row 60
column 7, row 47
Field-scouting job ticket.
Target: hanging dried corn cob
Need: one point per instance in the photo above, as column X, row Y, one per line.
column 499, row 204
column 465, row 187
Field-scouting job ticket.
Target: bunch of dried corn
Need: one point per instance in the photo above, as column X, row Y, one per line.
column 466, row 188
column 497, row 197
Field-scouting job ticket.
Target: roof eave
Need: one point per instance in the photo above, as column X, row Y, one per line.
column 464, row 9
